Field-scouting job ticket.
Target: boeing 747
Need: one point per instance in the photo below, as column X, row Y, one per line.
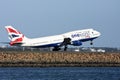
column 75, row 38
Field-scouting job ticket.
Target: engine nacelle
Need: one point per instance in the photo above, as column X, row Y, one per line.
column 76, row 43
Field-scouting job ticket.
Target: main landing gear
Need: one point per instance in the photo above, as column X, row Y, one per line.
column 56, row 48
column 64, row 43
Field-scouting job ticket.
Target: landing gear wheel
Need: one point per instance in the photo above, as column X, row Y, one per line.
column 91, row 43
column 56, row 49
column 65, row 48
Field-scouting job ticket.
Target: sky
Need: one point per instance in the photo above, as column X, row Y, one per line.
column 38, row 18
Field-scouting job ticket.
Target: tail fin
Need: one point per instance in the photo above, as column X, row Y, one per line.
column 15, row 36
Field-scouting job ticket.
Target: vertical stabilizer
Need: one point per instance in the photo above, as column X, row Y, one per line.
column 15, row 36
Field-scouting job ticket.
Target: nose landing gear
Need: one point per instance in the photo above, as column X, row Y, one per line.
column 91, row 43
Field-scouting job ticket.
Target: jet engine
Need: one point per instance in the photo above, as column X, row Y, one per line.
column 77, row 43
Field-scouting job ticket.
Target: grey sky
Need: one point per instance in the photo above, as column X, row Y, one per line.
column 36, row 18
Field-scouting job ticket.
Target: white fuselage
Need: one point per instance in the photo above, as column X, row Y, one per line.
column 51, row 41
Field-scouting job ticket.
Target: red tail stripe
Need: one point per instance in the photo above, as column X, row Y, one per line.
column 16, row 41
column 12, row 31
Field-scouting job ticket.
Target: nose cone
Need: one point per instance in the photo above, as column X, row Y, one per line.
column 98, row 33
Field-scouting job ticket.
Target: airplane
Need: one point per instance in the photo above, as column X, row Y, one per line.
column 75, row 38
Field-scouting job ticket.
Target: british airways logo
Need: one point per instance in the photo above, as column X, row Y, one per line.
column 84, row 34
column 75, row 35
